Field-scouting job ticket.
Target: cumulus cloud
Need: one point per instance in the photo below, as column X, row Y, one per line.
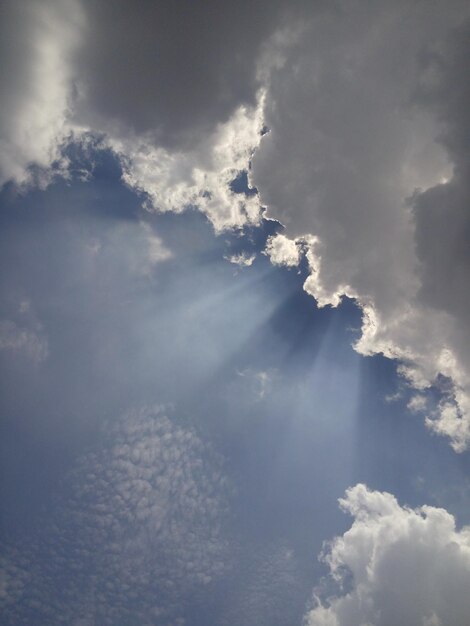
column 283, row 251
column 396, row 565
column 352, row 166
column 175, row 180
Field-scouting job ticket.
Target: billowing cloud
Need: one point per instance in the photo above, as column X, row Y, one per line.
column 396, row 565
column 200, row 176
column 352, row 166
column 283, row 251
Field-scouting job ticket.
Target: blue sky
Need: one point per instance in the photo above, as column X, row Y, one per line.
column 235, row 381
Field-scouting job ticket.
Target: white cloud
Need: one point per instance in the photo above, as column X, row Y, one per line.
column 200, row 177
column 242, row 260
column 283, row 251
column 417, row 404
column 408, row 566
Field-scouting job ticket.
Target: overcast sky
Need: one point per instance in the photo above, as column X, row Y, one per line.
column 234, row 330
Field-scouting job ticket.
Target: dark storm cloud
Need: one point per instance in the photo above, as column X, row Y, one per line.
column 442, row 213
column 172, row 69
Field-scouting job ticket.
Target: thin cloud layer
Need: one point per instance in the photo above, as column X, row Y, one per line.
column 396, row 565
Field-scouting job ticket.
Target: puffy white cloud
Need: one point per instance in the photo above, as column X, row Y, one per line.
column 175, row 180
column 355, row 108
column 396, row 565
column 283, row 251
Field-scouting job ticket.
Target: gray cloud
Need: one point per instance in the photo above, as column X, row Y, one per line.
column 442, row 220
column 353, row 137
column 171, row 71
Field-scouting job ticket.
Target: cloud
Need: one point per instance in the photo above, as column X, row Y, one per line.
column 268, row 589
column 260, row 381
column 396, row 565
column 171, row 73
column 283, row 251
column 38, row 39
column 136, row 530
column 201, row 176
column 243, row 259
column 352, row 166
column 182, row 129
column 25, row 341
column 157, row 252
column 354, row 96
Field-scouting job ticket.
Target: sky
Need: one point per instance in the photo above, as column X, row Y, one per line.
column 234, row 331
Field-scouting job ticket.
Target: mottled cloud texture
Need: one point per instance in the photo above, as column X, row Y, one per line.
column 396, row 565
column 140, row 520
